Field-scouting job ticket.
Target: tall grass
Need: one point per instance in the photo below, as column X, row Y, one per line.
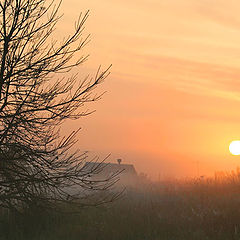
column 194, row 209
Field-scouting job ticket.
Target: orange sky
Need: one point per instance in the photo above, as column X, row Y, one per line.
column 173, row 99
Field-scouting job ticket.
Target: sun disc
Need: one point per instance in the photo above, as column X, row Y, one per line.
column 234, row 147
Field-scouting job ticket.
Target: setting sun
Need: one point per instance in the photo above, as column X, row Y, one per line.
column 234, row 147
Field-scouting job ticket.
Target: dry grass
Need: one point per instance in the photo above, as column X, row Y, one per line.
column 195, row 209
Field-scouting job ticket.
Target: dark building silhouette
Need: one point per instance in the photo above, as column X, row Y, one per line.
column 125, row 173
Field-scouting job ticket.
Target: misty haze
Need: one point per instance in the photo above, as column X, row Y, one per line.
column 119, row 120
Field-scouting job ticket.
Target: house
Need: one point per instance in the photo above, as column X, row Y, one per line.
column 125, row 174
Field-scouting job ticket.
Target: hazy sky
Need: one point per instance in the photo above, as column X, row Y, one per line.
column 173, row 98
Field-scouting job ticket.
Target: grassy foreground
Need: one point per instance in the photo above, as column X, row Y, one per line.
column 196, row 209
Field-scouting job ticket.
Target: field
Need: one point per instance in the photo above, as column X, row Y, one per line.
column 194, row 209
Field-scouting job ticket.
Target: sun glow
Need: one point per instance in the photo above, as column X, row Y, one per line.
column 234, row 147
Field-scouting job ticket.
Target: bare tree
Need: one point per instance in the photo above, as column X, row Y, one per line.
column 36, row 164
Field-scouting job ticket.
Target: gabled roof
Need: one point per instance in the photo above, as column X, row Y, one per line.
column 106, row 168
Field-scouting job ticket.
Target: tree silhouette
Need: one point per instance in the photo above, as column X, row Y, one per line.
column 37, row 166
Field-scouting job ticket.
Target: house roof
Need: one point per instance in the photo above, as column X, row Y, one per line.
column 106, row 168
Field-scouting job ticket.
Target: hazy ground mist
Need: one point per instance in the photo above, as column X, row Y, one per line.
column 179, row 209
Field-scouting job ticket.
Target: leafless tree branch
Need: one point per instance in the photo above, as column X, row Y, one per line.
column 36, row 165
